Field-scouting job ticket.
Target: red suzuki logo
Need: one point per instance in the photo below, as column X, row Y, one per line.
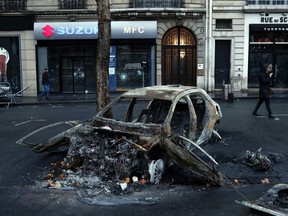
column 47, row 31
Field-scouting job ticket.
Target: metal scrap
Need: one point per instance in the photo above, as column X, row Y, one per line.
column 274, row 201
column 257, row 160
column 160, row 126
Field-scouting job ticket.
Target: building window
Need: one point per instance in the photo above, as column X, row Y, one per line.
column 251, row 2
column 10, row 62
column 223, row 23
column 264, row 2
column 12, row 5
column 267, row 2
column 130, row 70
column 72, row 67
column 72, row 4
column 278, row 2
column 156, row 3
column 268, row 46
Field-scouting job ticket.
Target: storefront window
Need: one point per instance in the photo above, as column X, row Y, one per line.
column 132, row 66
column 268, row 46
column 72, row 69
column 10, row 62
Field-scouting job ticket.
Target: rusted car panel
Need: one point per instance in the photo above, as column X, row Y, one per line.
column 160, row 123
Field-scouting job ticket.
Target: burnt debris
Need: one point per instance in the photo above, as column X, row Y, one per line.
column 136, row 138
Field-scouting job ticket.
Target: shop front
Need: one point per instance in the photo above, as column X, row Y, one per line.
column 13, row 31
column 268, row 44
column 69, row 50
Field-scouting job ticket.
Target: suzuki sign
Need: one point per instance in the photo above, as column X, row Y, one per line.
column 89, row 30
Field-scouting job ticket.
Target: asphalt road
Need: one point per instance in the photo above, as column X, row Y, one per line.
column 241, row 131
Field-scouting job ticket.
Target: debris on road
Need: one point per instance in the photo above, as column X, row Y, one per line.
column 257, row 160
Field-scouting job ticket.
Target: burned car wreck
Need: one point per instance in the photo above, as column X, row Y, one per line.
column 140, row 134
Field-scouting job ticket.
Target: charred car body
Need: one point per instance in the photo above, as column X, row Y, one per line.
column 161, row 125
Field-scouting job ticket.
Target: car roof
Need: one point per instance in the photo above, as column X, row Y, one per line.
column 165, row 92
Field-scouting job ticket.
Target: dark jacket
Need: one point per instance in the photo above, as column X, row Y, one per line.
column 45, row 78
column 264, row 85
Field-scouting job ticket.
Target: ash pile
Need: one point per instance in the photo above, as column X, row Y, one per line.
column 102, row 166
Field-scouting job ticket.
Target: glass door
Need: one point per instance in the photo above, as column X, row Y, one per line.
column 66, row 75
column 73, row 75
column 78, row 75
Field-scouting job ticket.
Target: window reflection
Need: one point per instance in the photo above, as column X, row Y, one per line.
column 10, row 62
column 266, row 48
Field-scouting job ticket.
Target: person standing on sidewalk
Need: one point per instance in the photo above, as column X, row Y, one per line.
column 265, row 79
column 46, row 84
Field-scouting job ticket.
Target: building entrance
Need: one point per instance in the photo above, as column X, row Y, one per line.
column 222, row 62
column 78, row 74
column 179, row 57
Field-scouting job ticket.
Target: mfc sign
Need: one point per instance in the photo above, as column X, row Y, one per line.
column 133, row 30
column 89, row 30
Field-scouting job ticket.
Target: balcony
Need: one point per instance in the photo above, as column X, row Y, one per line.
column 267, row 2
column 72, row 4
column 156, row 3
column 12, row 5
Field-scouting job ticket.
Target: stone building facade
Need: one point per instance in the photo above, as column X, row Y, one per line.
column 203, row 43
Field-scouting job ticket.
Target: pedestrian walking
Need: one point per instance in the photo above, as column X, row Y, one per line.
column 265, row 79
column 45, row 84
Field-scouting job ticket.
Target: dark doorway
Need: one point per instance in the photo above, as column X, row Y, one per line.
column 222, row 63
column 78, row 74
column 179, row 57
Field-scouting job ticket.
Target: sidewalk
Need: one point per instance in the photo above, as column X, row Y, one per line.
column 60, row 98
column 91, row 98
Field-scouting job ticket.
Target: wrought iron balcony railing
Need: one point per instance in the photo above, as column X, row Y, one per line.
column 72, row 4
column 267, row 2
column 156, row 3
column 12, row 5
